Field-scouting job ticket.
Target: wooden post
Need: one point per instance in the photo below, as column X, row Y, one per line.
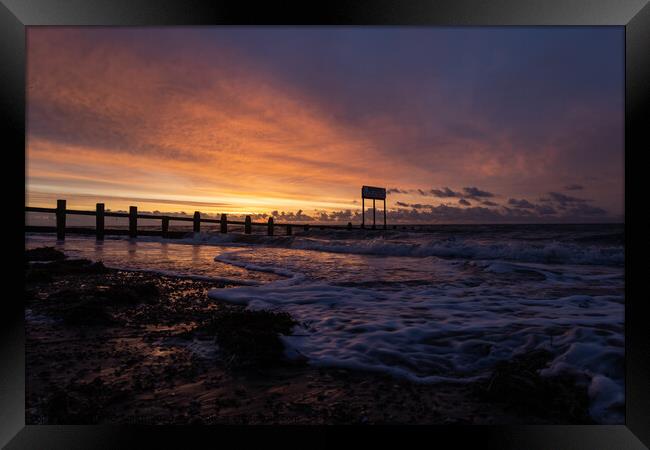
column 373, row 213
column 270, row 227
column 224, row 223
column 133, row 221
column 197, row 222
column 60, row 220
column 248, row 228
column 363, row 212
column 99, row 221
column 384, row 214
column 289, row 230
column 165, row 226
column 349, row 225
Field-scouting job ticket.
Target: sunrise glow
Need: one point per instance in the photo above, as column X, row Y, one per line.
column 249, row 121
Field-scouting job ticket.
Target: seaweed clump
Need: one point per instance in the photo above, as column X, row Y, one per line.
column 251, row 338
column 92, row 306
column 42, row 271
column 44, row 254
column 517, row 383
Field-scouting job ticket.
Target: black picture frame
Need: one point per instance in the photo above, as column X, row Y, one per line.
column 634, row 15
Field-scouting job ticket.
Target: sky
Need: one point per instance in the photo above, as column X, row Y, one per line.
column 461, row 125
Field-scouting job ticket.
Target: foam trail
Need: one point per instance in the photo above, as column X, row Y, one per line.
column 230, row 258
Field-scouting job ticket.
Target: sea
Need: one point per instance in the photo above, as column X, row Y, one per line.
column 439, row 303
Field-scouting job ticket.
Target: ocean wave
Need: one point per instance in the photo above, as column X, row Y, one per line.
column 553, row 252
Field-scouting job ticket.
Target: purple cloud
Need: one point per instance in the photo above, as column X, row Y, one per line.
column 522, row 204
column 474, row 192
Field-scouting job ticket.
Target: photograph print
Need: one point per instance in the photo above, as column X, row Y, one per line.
column 324, row 225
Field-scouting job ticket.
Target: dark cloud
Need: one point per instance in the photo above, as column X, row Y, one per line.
column 475, row 214
column 522, row 204
column 446, row 192
column 297, row 216
column 563, row 199
column 555, row 207
column 474, row 192
column 545, row 210
column 574, row 187
column 539, row 210
column 338, row 216
column 396, row 191
column 426, row 213
column 441, row 193
column 445, row 214
column 414, row 205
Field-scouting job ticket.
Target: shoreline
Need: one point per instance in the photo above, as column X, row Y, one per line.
column 113, row 346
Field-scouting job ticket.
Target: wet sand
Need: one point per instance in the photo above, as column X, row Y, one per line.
column 111, row 346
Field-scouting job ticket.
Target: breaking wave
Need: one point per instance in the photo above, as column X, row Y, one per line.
column 553, row 252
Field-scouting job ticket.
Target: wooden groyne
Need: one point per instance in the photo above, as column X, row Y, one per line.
column 100, row 230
